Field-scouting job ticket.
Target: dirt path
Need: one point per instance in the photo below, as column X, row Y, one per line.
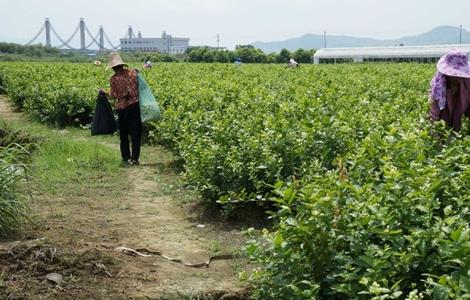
column 7, row 111
column 149, row 209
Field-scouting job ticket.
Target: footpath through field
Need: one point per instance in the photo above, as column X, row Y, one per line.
column 84, row 233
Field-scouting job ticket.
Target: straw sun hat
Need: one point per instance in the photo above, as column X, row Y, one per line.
column 115, row 60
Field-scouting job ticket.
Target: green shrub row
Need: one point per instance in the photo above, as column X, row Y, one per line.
column 57, row 93
column 372, row 200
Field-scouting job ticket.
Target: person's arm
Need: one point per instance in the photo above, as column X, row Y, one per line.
column 434, row 110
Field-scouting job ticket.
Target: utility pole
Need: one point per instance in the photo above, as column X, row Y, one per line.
column 324, row 39
column 218, row 41
column 460, row 34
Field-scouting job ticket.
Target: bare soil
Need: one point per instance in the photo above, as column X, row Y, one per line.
column 7, row 111
column 75, row 233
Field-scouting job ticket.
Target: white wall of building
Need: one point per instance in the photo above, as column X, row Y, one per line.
column 165, row 44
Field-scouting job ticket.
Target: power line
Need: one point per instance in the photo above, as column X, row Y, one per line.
column 71, row 37
column 90, row 35
column 93, row 41
column 60, row 39
column 37, row 35
column 109, row 41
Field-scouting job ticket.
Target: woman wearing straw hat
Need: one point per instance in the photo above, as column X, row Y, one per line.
column 126, row 92
column 450, row 89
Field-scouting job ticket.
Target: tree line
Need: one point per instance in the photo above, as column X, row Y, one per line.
column 16, row 52
column 243, row 53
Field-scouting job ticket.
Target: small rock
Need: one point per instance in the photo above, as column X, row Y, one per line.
column 55, row 277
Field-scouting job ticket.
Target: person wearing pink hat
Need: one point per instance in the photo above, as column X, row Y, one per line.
column 450, row 89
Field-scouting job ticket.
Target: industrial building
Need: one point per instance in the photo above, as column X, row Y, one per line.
column 165, row 44
column 391, row 54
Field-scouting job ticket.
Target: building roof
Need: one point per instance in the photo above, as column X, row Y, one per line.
column 390, row 52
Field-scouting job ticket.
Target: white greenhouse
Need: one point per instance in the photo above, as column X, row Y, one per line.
column 392, row 54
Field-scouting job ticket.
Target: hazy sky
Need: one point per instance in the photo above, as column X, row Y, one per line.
column 237, row 21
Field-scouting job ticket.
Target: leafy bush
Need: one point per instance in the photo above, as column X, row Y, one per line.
column 383, row 229
column 59, row 94
column 13, row 153
column 372, row 201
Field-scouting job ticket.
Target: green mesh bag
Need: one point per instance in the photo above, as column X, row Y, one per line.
column 149, row 108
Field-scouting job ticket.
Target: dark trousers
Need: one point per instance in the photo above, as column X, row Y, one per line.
column 453, row 113
column 130, row 124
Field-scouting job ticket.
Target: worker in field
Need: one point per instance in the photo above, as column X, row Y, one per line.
column 449, row 97
column 125, row 91
column 148, row 64
column 292, row 63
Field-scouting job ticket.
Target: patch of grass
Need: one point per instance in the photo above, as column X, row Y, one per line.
column 69, row 166
column 13, row 204
column 215, row 248
column 2, row 279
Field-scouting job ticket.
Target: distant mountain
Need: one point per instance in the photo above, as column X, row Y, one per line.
column 439, row 35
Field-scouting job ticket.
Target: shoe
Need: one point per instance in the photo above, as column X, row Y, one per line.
column 135, row 162
column 125, row 162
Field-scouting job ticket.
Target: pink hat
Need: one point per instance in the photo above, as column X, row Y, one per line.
column 454, row 63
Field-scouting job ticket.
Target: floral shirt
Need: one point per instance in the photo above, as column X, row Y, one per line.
column 124, row 88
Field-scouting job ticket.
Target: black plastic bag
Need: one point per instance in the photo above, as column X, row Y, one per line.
column 103, row 120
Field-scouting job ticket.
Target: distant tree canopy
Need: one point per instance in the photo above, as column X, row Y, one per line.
column 245, row 53
column 33, row 50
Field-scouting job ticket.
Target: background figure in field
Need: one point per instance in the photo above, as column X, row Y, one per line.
column 125, row 90
column 148, row 64
column 292, row 63
column 450, row 89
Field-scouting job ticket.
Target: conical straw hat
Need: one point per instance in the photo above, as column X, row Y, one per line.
column 115, row 60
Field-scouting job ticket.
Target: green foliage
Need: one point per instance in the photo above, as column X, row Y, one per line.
column 284, row 56
column 247, row 54
column 378, row 208
column 59, row 94
column 66, row 163
column 398, row 224
column 16, row 52
column 33, row 50
column 303, row 56
column 13, row 154
column 12, row 205
column 371, row 199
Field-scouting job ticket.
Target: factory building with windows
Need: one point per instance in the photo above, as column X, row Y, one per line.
column 166, row 44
